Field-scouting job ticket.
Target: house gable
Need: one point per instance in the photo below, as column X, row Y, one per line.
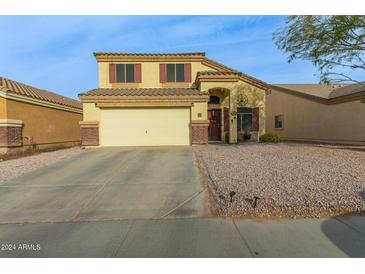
column 152, row 70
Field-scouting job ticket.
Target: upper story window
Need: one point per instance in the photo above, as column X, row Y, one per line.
column 175, row 73
column 125, row 73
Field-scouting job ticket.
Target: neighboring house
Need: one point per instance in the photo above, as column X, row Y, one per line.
column 317, row 113
column 34, row 118
column 170, row 99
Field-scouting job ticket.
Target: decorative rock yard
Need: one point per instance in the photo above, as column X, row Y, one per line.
column 283, row 180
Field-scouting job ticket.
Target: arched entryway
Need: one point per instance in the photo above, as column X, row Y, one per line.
column 218, row 114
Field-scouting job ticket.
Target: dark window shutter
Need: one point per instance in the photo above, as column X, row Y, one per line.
column 137, row 73
column 226, row 119
column 255, row 119
column 112, row 76
column 187, row 73
column 162, row 73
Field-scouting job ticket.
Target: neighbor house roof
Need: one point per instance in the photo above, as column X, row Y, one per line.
column 154, row 92
column 347, row 90
column 318, row 90
column 326, row 93
column 21, row 90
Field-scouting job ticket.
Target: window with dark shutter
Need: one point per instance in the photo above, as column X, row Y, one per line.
column 175, row 73
column 125, row 73
column 244, row 119
column 129, row 73
column 120, row 68
column 170, row 73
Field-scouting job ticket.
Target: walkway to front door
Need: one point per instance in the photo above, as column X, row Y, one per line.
column 214, row 130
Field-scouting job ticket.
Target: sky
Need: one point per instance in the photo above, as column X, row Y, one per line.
column 56, row 52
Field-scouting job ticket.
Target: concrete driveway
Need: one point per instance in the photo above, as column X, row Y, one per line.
column 148, row 202
column 107, row 184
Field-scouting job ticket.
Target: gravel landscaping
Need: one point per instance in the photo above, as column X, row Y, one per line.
column 12, row 168
column 283, row 180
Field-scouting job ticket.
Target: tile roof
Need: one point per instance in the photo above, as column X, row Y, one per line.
column 14, row 87
column 103, row 56
column 144, row 92
column 242, row 75
column 150, row 54
column 323, row 91
column 347, row 89
column 223, row 67
column 215, row 73
column 318, row 90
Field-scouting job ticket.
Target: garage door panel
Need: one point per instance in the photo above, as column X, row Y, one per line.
column 145, row 127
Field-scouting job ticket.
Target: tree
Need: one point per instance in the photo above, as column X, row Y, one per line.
column 334, row 44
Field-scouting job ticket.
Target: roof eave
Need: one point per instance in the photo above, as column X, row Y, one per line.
column 358, row 96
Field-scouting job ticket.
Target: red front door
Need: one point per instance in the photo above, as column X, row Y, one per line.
column 214, row 130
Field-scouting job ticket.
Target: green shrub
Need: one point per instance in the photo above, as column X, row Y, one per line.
column 270, row 138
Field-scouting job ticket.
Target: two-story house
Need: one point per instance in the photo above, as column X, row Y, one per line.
column 170, row 99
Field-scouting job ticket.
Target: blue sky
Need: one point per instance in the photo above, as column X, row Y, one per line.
column 55, row 52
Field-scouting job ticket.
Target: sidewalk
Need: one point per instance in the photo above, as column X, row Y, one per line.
column 328, row 237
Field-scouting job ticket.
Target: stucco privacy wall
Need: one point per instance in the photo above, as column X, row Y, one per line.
column 45, row 125
column 150, row 74
column 307, row 120
column 256, row 98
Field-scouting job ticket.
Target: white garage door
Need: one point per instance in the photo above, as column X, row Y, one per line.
column 145, row 127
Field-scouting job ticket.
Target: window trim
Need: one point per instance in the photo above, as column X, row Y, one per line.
column 282, row 121
column 175, row 73
column 125, row 73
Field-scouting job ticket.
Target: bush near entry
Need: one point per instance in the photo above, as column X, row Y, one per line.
column 270, row 138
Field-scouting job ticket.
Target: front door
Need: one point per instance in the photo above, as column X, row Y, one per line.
column 214, row 130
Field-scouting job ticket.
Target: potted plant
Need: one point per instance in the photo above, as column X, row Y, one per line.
column 247, row 134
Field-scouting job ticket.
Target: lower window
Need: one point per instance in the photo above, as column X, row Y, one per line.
column 244, row 119
column 279, row 121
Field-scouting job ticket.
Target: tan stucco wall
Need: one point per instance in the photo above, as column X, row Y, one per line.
column 91, row 112
column 150, row 74
column 2, row 108
column 151, row 78
column 45, row 125
column 201, row 108
column 256, row 98
column 312, row 121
